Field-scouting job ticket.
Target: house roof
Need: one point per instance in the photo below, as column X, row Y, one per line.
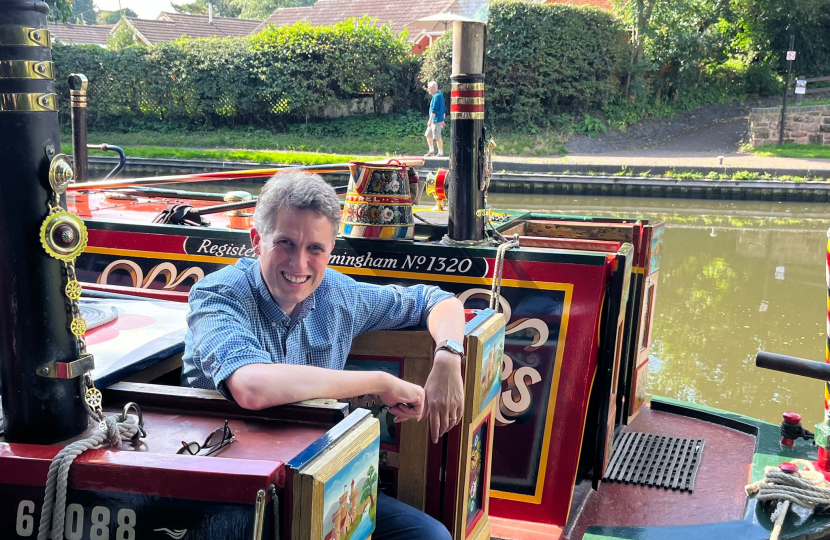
column 173, row 26
column 400, row 13
column 81, row 34
column 199, row 25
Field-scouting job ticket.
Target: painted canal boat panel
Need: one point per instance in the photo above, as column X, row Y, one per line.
column 350, row 497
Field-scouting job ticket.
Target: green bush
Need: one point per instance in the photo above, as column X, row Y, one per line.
column 543, row 61
column 278, row 76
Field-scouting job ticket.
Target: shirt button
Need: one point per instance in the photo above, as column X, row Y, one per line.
column 273, row 324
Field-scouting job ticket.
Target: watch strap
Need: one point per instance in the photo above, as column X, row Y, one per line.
column 445, row 346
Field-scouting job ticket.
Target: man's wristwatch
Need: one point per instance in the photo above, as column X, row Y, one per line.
column 452, row 346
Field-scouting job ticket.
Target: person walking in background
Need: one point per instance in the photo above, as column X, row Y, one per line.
column 437, row 110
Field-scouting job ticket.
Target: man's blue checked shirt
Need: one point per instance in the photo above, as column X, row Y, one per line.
column 233, row 322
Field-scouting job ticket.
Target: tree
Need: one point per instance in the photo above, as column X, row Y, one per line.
column 121, row 37
column 83, row 12
column 59, row 10
column 112, row 17
column 262, row 9
column 221, row 8
column 371, row 480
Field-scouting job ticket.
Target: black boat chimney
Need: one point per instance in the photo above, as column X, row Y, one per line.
column 466, row 198
column 34, row 319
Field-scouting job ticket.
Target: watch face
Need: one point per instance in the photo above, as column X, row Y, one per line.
column 455, row 346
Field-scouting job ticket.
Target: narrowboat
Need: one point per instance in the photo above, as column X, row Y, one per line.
column 101, row 441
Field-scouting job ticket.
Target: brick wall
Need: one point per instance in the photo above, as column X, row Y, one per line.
column 803, row 125
column 604, row 4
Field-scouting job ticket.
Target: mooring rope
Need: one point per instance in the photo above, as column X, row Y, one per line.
column 806, row 488
column 53, row 515
column 795, row 431
column 495, row 291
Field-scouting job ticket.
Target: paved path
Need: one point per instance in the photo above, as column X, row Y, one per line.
column 695, row 147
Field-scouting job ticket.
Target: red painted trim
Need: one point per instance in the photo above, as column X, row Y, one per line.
column 164, row 243
column 160, row 475
column 466, row 93
column 454, row 107
column 156, row 294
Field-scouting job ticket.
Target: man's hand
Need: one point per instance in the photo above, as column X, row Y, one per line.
column 405, row 400
column 444, row 394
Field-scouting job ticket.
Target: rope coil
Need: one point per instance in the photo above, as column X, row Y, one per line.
column 806, row 488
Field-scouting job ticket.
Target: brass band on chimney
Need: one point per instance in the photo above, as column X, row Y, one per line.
column 24, row 36
column 26, row 69
column 28, row 103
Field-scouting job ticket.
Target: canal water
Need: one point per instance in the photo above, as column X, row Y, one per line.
column 736, row 277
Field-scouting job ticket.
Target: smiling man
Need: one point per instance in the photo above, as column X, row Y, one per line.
column 278, row 329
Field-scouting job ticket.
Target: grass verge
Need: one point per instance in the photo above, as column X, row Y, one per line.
column 508, row 143
column 255, row 156
column 791, row 150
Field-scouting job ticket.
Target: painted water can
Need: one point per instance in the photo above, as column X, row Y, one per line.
column 378, row 202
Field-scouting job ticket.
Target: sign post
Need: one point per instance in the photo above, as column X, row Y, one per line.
column 800, row 89
column 790, row 58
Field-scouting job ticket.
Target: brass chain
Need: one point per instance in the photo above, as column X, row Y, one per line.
column 73, row 293
column 72, row 290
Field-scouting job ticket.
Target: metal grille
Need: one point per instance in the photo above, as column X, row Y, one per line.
column 655, row 460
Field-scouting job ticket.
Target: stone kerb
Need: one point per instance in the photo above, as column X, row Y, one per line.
column 803, row 125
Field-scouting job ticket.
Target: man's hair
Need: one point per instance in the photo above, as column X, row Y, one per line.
column 295, row 191
column 430, row 84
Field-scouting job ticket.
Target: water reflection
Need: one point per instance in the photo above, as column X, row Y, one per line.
column 736, row 277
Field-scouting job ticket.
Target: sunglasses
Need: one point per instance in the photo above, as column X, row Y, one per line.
column 216, row 441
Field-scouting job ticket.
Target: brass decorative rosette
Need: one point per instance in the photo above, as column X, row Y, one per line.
column 63, row 235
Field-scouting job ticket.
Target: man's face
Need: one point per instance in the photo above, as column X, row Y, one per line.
column 432, row 90
column 293, row 260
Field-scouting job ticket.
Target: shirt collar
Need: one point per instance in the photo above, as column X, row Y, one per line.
column 267, row 304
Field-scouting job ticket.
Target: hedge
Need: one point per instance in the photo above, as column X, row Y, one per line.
column 542, row 60
column 279, row 75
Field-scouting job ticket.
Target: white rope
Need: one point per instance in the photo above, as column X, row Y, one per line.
column 495, row 291
column 53, row 515
column 806, row 488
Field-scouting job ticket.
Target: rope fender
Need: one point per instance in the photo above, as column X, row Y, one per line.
column 53, row 515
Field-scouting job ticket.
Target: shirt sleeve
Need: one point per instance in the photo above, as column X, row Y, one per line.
column 433, row 105
column 223, row 335
column 386, row 307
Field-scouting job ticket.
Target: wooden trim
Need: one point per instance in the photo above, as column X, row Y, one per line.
column 182, row 399
column 415, row 347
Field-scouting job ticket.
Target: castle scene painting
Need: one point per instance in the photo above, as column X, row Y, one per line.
column 351, row 497
column 493, row 354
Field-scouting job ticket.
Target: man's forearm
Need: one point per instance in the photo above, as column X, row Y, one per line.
column 446, row 321
column 259, row 386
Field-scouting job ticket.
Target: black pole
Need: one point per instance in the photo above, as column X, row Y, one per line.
column 77, row 93
column 34, row 322
column 467, row 113
column 791, row 364
column 786, row 89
